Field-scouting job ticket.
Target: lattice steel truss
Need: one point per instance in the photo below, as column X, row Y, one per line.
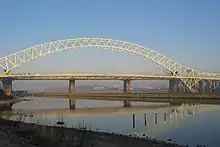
column 16, row 59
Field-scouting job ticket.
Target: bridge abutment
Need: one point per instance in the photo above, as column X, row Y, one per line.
column 72, row 98
column 7, row 86
column 127, row 89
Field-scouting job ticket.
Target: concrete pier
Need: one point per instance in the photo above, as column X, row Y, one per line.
column 208, row 87
column 201, row 86
column 7, row 85
column 171, row 85
column 213, row 86
column 72, row 99
column 127, row 89
column 174, row 85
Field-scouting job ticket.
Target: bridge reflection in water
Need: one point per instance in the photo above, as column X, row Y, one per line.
column 115, row 119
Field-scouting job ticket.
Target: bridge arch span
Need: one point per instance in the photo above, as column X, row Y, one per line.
column 19, row 58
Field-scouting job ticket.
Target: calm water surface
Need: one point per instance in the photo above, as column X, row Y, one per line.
column 185, row 124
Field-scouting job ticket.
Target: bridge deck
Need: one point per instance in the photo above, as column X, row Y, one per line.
column 100, row 77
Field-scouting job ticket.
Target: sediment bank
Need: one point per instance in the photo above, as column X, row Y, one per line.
column 19, row 134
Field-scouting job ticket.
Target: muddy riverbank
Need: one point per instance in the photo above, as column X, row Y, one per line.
column 33, row 135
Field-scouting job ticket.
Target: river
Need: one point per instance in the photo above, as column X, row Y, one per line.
column 191, row 125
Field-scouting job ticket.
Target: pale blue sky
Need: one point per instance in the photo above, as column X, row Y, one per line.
column 185, row 30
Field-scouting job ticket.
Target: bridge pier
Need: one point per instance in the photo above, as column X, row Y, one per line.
column 205, row 86
column 184, row 88
column 171, row 85
column 179, row 86
column 213, row 86
column 72, row 99
column 7, row 86
column 127, row 89
column 201, row 86
column 217, row 86
column 174, row 85
column 208, row 88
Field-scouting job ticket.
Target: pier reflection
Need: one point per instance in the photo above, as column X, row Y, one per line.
column 140, row 120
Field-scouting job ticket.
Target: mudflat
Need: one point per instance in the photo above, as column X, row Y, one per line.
column 19, row 134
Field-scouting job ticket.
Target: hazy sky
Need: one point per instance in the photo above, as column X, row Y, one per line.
column 187, row 31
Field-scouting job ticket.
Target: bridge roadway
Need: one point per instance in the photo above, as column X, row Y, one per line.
column 101, row 77
column 172, row 98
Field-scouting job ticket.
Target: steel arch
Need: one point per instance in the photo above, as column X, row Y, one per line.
column 16, row 59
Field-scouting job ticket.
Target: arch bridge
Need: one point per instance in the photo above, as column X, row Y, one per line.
column 190, row 79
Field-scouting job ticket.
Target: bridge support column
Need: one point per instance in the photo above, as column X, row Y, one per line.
column 178, row 85
column 217, row 86
column 214, row 83
column 213, row 86
column 181, row 87
column 201, row 87
column 171, row 85
column 7, row 85
column 72, row 99
column 174, row 85
column 207, row 87
column 127, row 89
column 184, row 88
